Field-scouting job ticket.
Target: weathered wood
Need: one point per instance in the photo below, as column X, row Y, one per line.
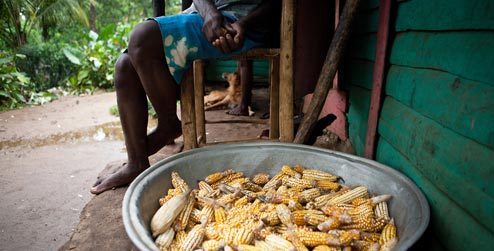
column 158, row 8
column 187, row 108
column 463, row 105
column 198, row 66
column 286, row 70
column 469, row 55
column 274, row 98
column 455, row 228
column 459, row 167
column 378, row 77
column 445, row 15
column 331, row 63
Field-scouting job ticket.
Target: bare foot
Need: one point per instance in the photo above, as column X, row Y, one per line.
column 124, row 176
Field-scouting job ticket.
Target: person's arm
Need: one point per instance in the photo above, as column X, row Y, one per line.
column 215, row 24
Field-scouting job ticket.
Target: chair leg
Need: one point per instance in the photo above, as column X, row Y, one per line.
column 188, row 115
column 199, row 101
column 274, row 99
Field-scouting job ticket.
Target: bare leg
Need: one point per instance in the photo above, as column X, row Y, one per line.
column 142, row 71
column 246, row 84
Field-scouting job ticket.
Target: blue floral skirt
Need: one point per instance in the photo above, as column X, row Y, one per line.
column 183, row 42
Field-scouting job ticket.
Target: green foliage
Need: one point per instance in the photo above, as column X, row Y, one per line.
column 13, row 83
column 96, row 58
column 45, row 64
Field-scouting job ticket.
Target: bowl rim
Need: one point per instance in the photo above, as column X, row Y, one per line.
column 127, row 211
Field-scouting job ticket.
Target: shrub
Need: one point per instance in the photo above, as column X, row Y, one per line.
column 13, row 84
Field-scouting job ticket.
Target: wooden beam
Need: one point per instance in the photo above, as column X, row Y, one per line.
column 286, row 70
column 378, row 77
column 187, row 107
column 331, row 63
column 158, row 8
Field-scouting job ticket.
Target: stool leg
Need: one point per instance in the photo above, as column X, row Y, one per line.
column 199, row 100
column 187, row 111
column 274, row 99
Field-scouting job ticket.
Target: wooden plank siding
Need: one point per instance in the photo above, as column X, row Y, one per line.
column 214, row 70
column 437, row 120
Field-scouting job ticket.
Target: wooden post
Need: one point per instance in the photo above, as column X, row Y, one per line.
column 158, row 8
column 378, row 77
column 199, row 100
column 187, row 110
column 331, row 63
column 286, row 70
column 274, row 104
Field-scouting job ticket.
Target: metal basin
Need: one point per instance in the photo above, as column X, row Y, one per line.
column 408, row 206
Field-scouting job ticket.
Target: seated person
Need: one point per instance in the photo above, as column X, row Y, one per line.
column 160, row 50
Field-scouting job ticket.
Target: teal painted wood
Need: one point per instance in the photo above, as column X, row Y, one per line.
column 462, row 105
column 215, row 69
column 445, row 15
column 366, row 22
column 455, row 229
column 358, row 73
column 362, row 47
column 459, row 167
column 469, row 55
column 358, row 107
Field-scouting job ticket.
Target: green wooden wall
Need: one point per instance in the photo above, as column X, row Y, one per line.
column 436, row 123
column 214, row 70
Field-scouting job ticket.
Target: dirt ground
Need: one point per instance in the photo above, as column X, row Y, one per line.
column 50, row 155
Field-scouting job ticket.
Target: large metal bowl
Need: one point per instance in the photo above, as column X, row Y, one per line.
column 408, row 206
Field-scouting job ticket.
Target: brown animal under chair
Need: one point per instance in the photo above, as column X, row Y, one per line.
column 229, row 97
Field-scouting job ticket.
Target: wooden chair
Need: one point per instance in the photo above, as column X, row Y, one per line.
column 281, row 81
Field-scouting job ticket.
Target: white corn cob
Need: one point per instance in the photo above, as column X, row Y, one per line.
column 165, row 239
column 166, row 214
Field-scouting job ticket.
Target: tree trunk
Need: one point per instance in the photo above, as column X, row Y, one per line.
column 158, row 8
column 92, row 18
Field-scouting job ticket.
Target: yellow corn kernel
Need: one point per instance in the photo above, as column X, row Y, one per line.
column 287, row 170
column 205, row 187
column 299, row 183
column 195, row 215
column 274, row 182
column 298, row 168
column 295, row 240
column 279, row 242
column 309, row 195
column 326, row 248
column 212, row 245
column 362, row 211
column 345, row 237
column 388, row 233
column 312, row 239
column 263, row 245
column 243, row 236
column 315, row 174
column 252, row 187
column 328, row 185
column 260, row 179
column 284, row 214
column 179, row 183
column 208, row 212
column 328, row 224
column 367, row 224
column 219, row 215
column 315, row 219
column 350, row 195
column 381, row 210
column 213, row 178
column 299, row 216
column 244, row 200
column 294, row 205
column 270, row 218
column 245, row 247
column 194, row 238
column 184, row 216
column 227, row 179
column 214, row 231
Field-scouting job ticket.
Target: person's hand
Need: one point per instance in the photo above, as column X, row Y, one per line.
column 232, row 39
column 215, row 26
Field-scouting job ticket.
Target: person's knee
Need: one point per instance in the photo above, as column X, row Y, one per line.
column 145, row 42
column 123, row 67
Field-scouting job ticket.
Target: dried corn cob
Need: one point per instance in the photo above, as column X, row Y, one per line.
column 298, row 183
column 279, row 243
column 284, row 214
column 245, row 247
column 194, row 238
column 326, row 248
column 381, row 210
column 287, row 170
column 315, row 174
column 166, row 214
column 213, row 178
column 179, row 183
column 183, row 217
column 299, row 217
column 357, row 192
column 298, row 168
column 260, row 179
column 212, row 245
column 309, row 195
column 164, row 240
column 312, row 239
column 315, row 219
column 328, row 185
column 388, row 238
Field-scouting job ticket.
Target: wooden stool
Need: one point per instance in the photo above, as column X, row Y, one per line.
column 192, row 97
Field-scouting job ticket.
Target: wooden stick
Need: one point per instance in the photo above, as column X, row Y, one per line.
column 328, row 72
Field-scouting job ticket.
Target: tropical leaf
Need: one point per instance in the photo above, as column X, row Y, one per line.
column 71, row 57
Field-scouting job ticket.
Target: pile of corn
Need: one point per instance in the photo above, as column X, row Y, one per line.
column 296, row 209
